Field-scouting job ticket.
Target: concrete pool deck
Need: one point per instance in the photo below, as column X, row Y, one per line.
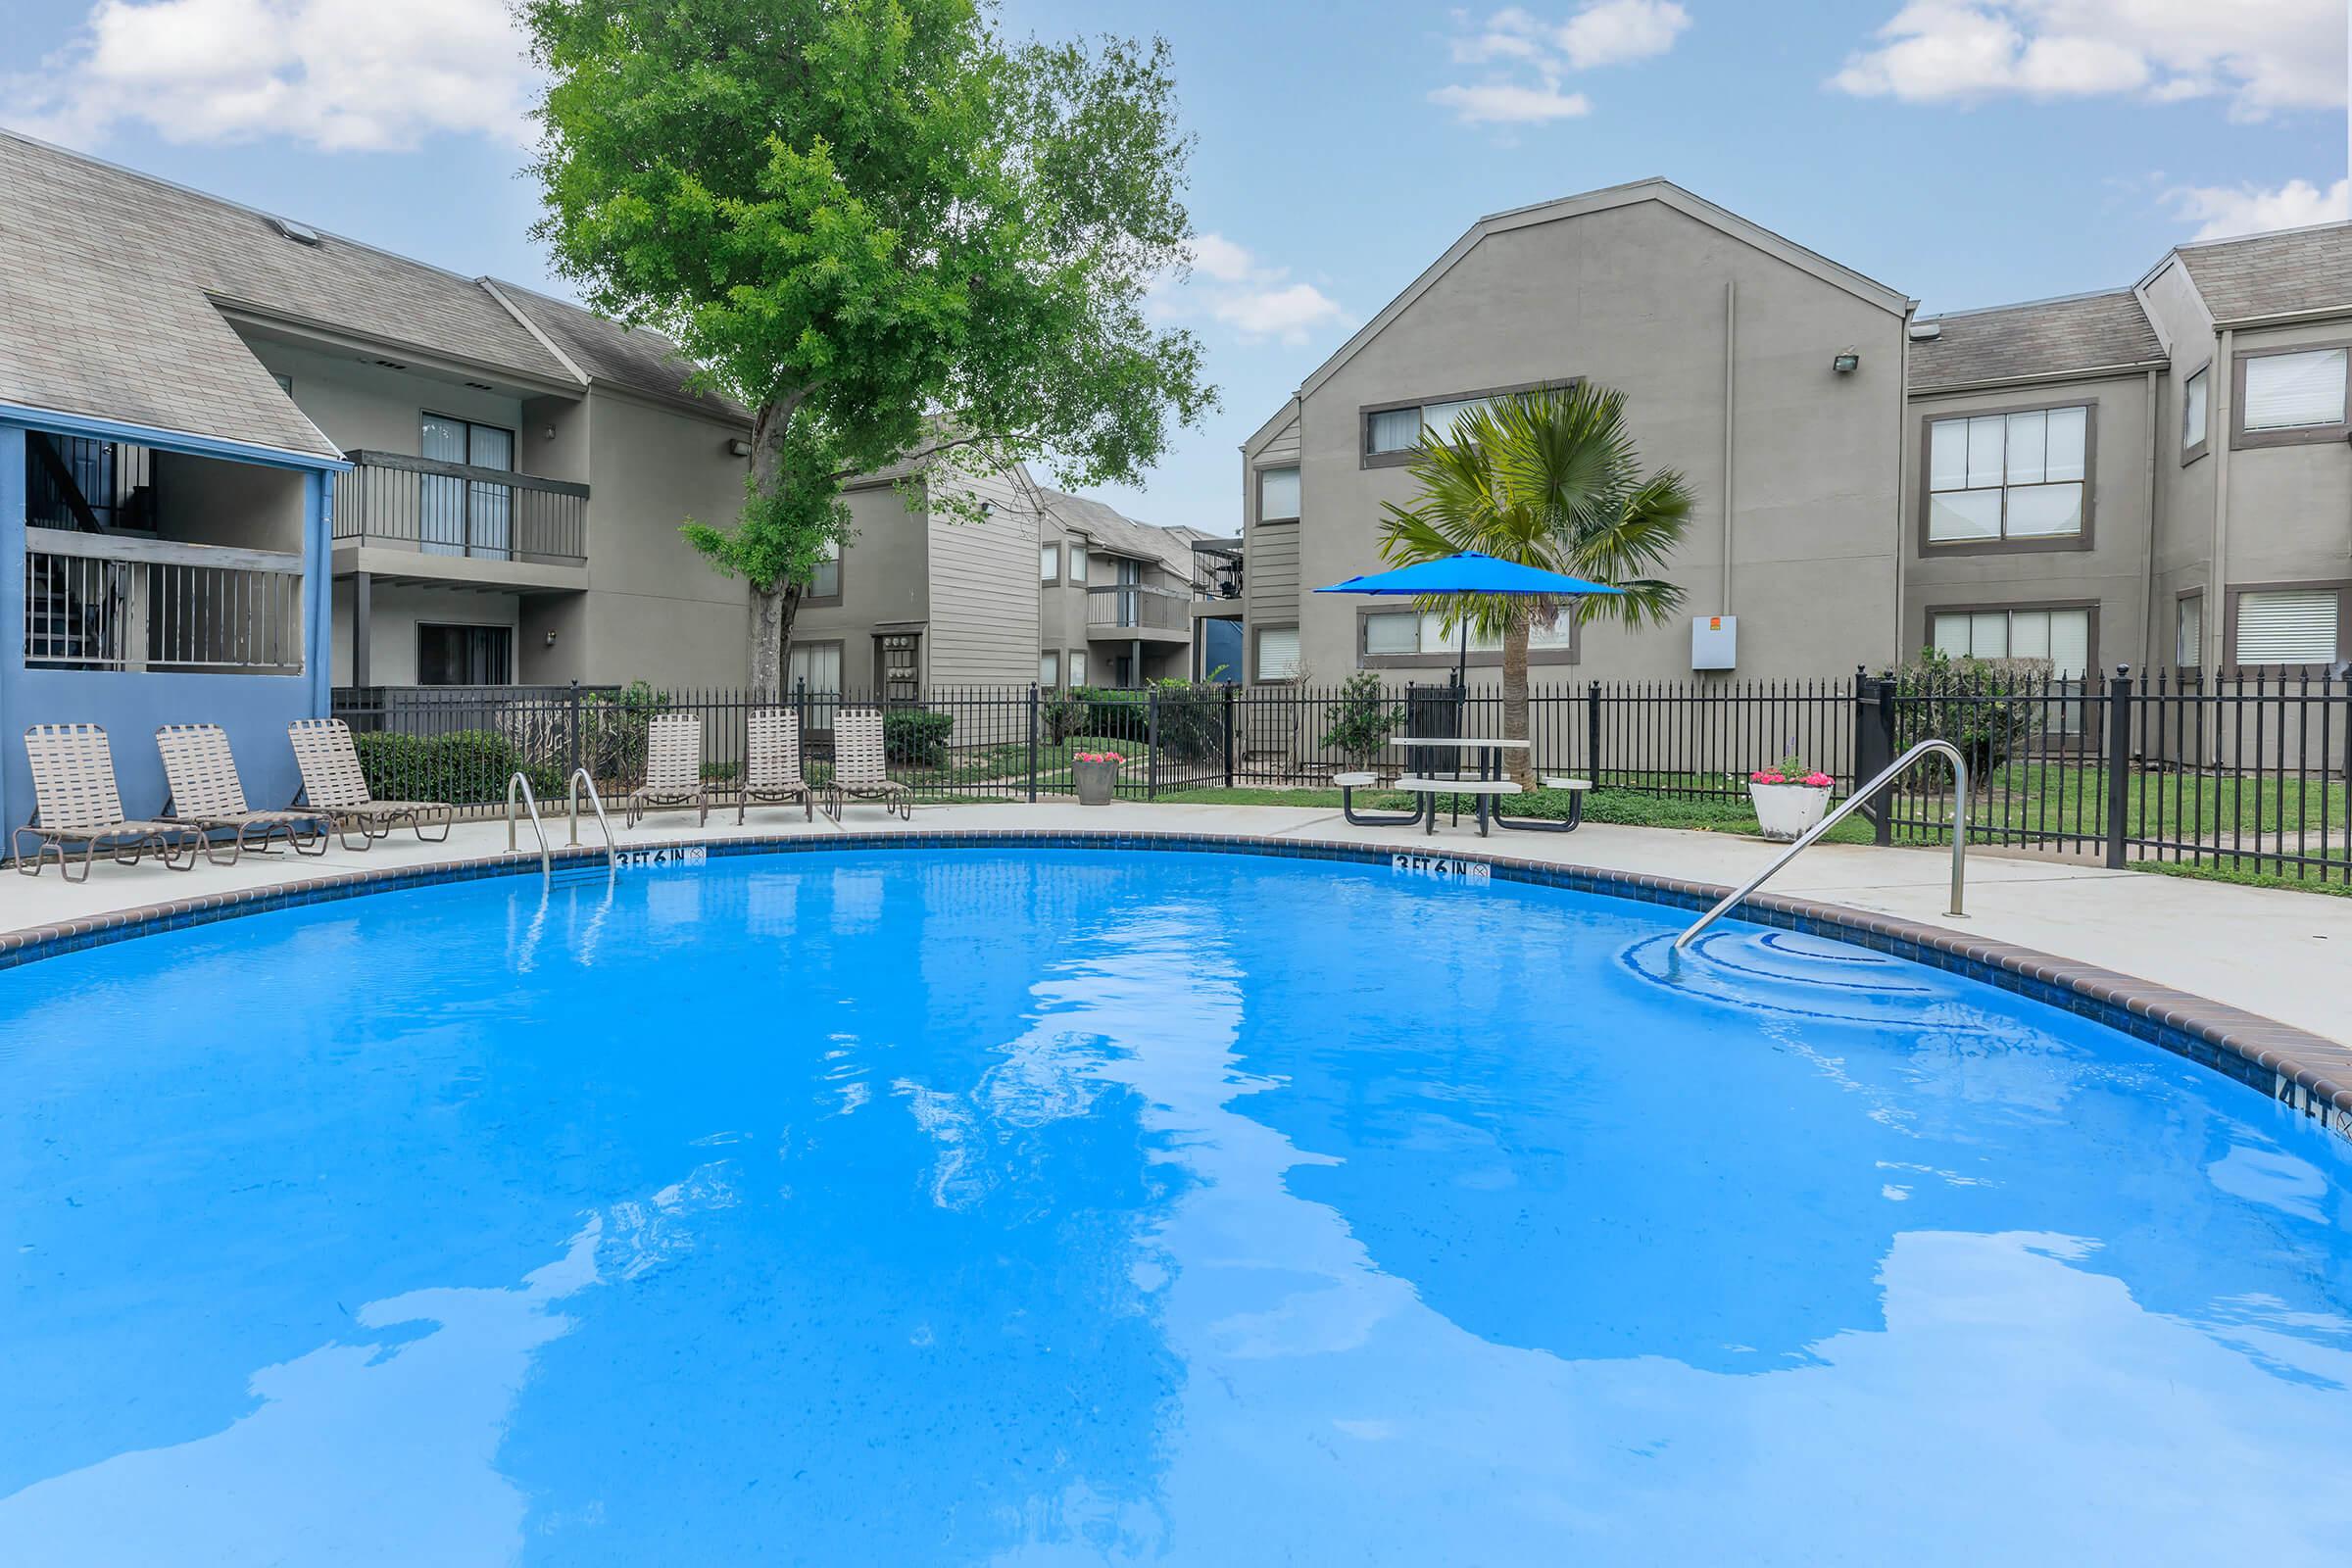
column 2280, row 954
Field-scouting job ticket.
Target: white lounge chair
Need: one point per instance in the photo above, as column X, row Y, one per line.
column 76, row 802
column 861, row 765
column 206, row 793
column 771, row 773
column 334, row 785
column 673, row 767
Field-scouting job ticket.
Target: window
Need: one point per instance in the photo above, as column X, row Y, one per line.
column 2301, row 392
column 285, row 383
column 2193, row 414
column 1996, row 478
column 2061, row 636
column 813, row 671
column 1049, row 562
column 825, row 581
column 1393, row 430
column 1078, row 564
column 2189, row 632
column 2289, row 625
column 458, row 514
column 1077, row 666
column 465, row 655
column 1278, row 494
column 1049, row 669
column 1396, row 633
column 1278, row 653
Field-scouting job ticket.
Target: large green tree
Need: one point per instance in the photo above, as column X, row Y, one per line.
column 893, row 233
column 1550, row 479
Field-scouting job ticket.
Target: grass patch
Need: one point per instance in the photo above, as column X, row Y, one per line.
column 2206, row 871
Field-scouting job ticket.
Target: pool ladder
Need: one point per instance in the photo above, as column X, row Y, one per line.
column 1852, row 804
column 520, row 787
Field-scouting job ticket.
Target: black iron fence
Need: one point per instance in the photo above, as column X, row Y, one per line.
column 2248, row 772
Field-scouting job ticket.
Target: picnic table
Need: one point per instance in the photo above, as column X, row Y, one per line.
column 1487, row 787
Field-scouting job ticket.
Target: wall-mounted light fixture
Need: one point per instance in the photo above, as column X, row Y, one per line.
column 1848, row 363
column 551, row 432
column 550, row 637
column 740, row 447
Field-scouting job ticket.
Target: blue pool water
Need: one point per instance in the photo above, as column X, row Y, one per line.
column 1048, row 1207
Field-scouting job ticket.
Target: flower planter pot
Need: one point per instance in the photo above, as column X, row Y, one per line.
column 1785, row 811
column 1097, row 781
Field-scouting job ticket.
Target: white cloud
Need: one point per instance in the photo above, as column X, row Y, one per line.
column 1616, row 32
column 1256, row 299
column 2281, row 54
column 1530, row 58
column 1508, row 103
column 2223, row 212
column 341, row 74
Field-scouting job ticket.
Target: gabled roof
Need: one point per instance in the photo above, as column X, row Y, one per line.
column 1121, row 534
column 113, row 284
column 1662, row 191
column 2291, row 272
column 611, row 353
column 2037, row 340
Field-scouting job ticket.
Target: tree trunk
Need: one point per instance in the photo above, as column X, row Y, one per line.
column 1514, row 699
column 774, row 604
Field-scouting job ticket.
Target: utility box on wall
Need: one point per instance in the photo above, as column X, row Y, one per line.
column 1715, row 642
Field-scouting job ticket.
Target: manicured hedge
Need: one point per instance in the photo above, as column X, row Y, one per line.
column 464, row 768
column 916, row 737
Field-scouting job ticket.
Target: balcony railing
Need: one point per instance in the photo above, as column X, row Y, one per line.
column 106, row 601
column 1217, row 570
column 454, row 509
column 1134, row 606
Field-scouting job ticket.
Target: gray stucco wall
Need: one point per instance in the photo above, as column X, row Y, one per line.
column 885, row 581
column 400, row 608
column 654, row 610
column 1633, row 297
column 2106, row 569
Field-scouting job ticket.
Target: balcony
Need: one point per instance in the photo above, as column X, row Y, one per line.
column 1131, row 611
column 113, row 602
column 1216, row 577
column 457, row 521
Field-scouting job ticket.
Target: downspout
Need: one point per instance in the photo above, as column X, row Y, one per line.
column 2147, row 569
column 2216, row 571
column 1903, row 488
column 1730, row 340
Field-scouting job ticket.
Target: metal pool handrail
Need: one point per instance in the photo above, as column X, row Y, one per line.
column 1854, row 803
column 571, row 789
column 547, row 864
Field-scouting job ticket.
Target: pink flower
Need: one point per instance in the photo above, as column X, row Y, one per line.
column 1765, row 776
column 1819, row 781
column 1100, row 756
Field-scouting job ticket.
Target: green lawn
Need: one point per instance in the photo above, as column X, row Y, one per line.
column 1622, row 808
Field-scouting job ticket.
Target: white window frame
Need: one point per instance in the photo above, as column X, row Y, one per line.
column 2008, row 615
column 1257, row 656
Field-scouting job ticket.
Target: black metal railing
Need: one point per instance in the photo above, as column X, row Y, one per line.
column 455, row 509
column 81, row 482
column 2246, row 772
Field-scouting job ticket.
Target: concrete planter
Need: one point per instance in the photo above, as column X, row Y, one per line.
column 1095, row 781
column 1787, row 810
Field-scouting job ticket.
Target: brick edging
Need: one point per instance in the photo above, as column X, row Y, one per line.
column 2306, row 1072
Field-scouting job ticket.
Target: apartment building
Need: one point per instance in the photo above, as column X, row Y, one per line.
column 1769, row 376
column 2156, row 475
column 1118, row 596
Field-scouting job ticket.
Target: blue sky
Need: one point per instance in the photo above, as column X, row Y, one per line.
column 1969, row 152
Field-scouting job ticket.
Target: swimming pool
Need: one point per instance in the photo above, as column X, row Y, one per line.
column 918, row 1205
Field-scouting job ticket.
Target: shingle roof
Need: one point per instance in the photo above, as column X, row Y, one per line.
column 2274, row 274
column 608, row 351
column 1121, row 534
column 2048, row 337
column 112, row 284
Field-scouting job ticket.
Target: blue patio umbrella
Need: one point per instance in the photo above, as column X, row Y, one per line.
column 1470, row 574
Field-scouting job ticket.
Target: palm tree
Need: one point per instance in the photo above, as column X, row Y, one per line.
column 1549, row 479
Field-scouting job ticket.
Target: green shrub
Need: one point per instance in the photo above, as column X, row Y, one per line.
column 916, row 737
column 464, row 768
column 1114, row 711
column 1061, row 714
column 1192, row 721
column 1363, row 719
column 1988, row 708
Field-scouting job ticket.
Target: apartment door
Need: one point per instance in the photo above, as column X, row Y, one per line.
column 460, row 515
column 465, row 655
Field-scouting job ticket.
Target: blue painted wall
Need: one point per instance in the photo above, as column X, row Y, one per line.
column 254, row 710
